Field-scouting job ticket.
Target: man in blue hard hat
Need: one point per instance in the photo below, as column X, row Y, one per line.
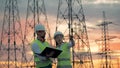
column 38, row 45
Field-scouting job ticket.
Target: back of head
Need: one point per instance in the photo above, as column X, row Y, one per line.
column 39, row 27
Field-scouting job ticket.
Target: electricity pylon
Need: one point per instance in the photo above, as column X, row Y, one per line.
column 36, row 13
column 71, row 21
column 106, row 58
column 11, row 37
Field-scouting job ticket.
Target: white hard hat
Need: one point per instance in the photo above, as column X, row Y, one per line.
column 58, row 33
column 39, row 27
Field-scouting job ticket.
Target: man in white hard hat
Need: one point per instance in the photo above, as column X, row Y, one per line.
column 64, row 58
column 38, row 46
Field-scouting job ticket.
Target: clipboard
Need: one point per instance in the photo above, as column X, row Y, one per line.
column 50, row 52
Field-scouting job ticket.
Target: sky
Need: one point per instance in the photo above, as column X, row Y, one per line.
column 93, row 14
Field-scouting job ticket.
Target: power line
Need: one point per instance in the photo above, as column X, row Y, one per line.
column 71, row 16
column 11, row 36
column 106, row 59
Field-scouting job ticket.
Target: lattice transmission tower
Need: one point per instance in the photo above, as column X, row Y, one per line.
column 106, row 57
column 11, row 52
column 36, row 13
column 71, row 21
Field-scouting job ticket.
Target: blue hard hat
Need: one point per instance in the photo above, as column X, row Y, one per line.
column 39, row 27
